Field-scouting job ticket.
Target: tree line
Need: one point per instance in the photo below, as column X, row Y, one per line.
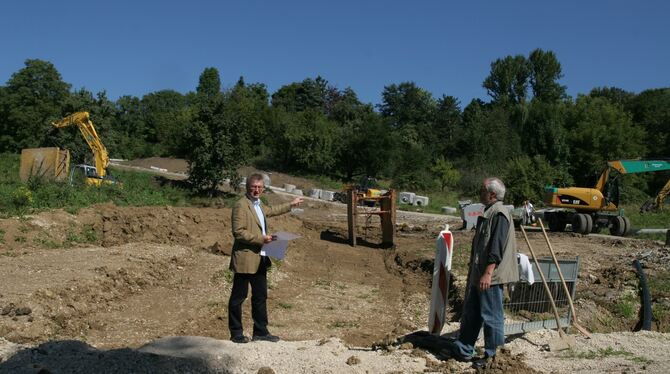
column 530, row 132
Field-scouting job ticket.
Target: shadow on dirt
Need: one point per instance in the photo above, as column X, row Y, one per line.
column 427, row 341
column 335, row 237
column 73, row 356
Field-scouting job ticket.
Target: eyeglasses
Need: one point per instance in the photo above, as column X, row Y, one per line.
column 260, row 188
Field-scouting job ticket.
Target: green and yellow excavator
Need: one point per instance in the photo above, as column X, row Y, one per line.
column 591, row 209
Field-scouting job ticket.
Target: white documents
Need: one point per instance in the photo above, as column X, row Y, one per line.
column 277, row 248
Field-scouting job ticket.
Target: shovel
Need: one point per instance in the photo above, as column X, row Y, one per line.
column 565, row 286
column 564, row 341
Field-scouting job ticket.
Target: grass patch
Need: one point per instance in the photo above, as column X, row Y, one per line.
column 86, row 235
column 223, row 274
column 659, row 284
column 343, row 325
column 45, row 240
column 604, row 352
column 2, row 236
column 284, row 305
column 627, row 306
column 436, row 200
column 217, row 304
column 322, row 283
column 649, row 220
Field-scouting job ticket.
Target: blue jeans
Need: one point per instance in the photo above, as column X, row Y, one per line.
column 482, row 307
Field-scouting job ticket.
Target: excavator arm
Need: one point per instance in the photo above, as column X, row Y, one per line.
column 83, row 122
column 657, row 202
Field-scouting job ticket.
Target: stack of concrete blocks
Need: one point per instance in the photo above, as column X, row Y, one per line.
column 327, row 195
column 297, row 191
column 470, row 213
column 289, row 187
column 315, row 193
column 407, row 198
column 420, row 200
column 243, row 182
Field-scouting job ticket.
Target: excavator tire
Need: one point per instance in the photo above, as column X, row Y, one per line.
column 579, row 223
column 617, row 226
column 589, row 224
column 629, row 227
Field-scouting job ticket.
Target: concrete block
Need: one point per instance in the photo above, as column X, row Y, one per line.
column 266, row 180
column 315, row 193
column 297, row 192
column 449, row 210
column 470, row 213
column 421, row 200
column 407, row 197
column 289, row 187
column 327, row 195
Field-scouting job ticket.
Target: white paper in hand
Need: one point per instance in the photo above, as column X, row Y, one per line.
column 277, row 248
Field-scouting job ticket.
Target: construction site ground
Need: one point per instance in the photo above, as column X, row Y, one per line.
column 134, row 289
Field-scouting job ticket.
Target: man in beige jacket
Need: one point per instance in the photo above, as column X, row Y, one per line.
column 250, row 233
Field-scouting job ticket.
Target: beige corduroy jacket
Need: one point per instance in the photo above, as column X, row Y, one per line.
column 248, row 234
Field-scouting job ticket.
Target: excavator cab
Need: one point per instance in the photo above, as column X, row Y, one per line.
column 83, row 174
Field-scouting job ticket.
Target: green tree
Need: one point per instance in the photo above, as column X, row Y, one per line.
column 448, row 120
column 367, row 146
column 406, row 104
column 311, row 142
column 447, row 175
column 600, row 131
column 545, row 71
column 130, row 127
column 301, row 96
column 651, row 111
column 543, row 132
column 32, row 99
column 507, row 82
column 245, row 108
column 526, row 178
column 615, row 95
column 165, row 116
column 487, row 139
column 213, row 155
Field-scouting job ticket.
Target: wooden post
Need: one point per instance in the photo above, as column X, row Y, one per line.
column 351, row 215
column 388, row 219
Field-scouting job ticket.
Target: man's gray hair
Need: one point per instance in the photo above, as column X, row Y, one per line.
column 494, row 184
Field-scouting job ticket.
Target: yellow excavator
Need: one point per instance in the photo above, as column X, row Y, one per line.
column 95, row 176
column 657, row 202
column 591, row 209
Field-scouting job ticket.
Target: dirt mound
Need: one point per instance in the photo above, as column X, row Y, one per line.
column 120, row 277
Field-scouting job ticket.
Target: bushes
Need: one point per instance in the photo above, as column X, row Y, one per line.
column 138, row 189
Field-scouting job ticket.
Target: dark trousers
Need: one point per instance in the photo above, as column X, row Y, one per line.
column 259, row 295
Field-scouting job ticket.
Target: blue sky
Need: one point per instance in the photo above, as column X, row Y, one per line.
column 137, row 47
